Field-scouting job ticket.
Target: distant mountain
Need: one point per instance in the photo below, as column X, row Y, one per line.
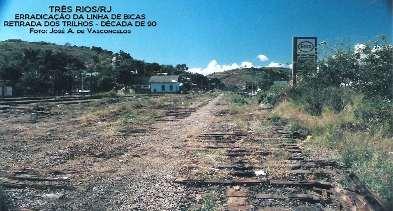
column 246, row 77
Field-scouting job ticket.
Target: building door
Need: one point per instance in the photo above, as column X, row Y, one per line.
column 171, row 87
column 163, row 88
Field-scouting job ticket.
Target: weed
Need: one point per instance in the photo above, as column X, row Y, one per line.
column 208, row 202
column 110, row 94
column 4, row 202
column 239, row 100
column 274, row 94
column 377, row 114
column 366, row 154
column 275, row 119
column 281, row 154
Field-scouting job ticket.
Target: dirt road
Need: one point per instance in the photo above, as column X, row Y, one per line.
column 64, row 161
column 146, row 176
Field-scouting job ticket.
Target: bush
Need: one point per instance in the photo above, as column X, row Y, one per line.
column 365, row 154
column 274, row 94
column 366, row 68
column 372, row 168
column 314, row 100
column 239, row 99
column 377, row 115
column 350, row 95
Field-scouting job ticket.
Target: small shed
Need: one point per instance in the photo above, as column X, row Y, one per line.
column 165, row 84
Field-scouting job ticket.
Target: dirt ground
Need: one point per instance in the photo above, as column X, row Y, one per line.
column 67, row 161
column 161, row 153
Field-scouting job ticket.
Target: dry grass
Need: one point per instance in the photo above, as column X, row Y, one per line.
column 136, row 112
column 370, row 156
column 327, row 120
column 291, row 111
column 246, row 116
column 211, row 157
column 207, row 159
column 100, row 114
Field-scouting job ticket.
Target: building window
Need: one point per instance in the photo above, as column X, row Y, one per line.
column 163, row 88
column 171, row 87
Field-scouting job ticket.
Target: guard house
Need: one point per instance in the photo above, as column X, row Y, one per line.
column 165, row 84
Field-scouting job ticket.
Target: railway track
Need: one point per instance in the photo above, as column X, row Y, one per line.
column 272, row 172
column 31, row 100
column 176, row 112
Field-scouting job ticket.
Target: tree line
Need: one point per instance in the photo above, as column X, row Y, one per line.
column 40, row 68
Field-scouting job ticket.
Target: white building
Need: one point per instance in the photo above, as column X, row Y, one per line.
column 165, row 84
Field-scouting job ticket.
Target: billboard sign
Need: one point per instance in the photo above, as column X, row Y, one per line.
column 304, row 53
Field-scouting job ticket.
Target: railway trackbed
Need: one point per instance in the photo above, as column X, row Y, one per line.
column 190, row 157
column 60, row 99
column 272, row 172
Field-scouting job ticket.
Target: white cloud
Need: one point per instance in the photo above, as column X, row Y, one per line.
column 214, row 66
column 246, row 64
column 276, row 64
column 263, row 58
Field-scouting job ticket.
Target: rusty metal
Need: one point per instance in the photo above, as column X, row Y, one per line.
column 223, row 182
column 299, row 196
column 372, row 199
column 300, row 183
column 235, row 167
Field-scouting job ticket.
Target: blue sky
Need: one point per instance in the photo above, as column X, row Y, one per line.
column 221, row 34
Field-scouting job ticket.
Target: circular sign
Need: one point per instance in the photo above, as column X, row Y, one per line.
column 305, row 46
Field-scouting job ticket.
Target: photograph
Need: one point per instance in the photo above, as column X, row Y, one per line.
column 196, row 105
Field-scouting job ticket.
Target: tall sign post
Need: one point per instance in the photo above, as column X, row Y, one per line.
column 304, row 56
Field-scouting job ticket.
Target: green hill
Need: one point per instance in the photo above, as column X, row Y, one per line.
column 14, row 47
column 41, row 68
column 243, row 78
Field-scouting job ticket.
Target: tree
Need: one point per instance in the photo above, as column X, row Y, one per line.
column 40, row 68
column 368, row 69
column 181, row 67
